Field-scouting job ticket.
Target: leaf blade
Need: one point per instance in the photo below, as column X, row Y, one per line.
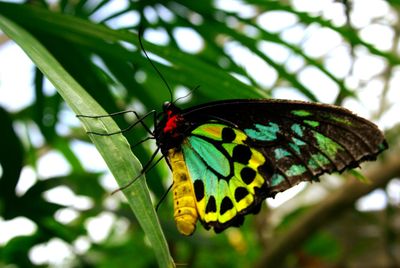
column 114, row 149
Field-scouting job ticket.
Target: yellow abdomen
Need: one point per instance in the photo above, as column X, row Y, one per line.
column 185, row 212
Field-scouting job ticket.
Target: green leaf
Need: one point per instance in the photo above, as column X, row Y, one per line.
column 356, row 174
column 98, row 37
column 114, row 149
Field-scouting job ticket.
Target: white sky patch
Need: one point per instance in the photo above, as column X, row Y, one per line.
column 380, row 36
column 283, row 197
column 26, row 180
column 61, row 253
column 66, row 120
column 136, row 106
column 108, row 182
column 65, row 196
column 183, row 94
column 319, row 84
column 127, row 19
column 293, row 35
column 362, row 14
column 356, row 107
column 16, row 227
column 88, row 155
column 150, row 14
column 81, row 245
column 243, row 10
column 188, row 40
column 371, row 94
column 288, row 93
column 338, row 61
column 315, row 48
column 311, row 6
column 35, row 135
column 29, row 134
column 113, row 202
column 258, row 68
column 16, row 78
column 294, row 63
column 276, row 21
column 99, row 227
column 52, row 164
column 368, row 66
column 393, row 191
column 66, row 215
column 129, row 46
column 156, row 36
column 48, row 88
column 165, row 14
column 110, row 8
column 386, row 121
column 393, row 98
column 376, row 200
column 241, row 78
column 158, row 59
column 276, row 52
column 351, row 81
column 335, row 14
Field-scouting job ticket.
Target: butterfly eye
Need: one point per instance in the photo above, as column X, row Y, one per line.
column 166, row 106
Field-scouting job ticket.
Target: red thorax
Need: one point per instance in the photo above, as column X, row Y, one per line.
column 172, row 121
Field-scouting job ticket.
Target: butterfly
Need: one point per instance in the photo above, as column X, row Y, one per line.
column 228, row 156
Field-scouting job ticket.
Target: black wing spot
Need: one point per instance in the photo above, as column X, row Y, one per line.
column 183, row 177
column 248, row 175
column 228, row 135
column 199, row 190
column 240, row 193
column 226, row 205
column 241, row 154
column 211, row 205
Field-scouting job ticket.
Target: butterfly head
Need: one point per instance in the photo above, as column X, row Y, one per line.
column 170, row 129
column 168, row 106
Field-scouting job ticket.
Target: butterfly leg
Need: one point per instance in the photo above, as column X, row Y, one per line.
column 164, row 196
column 147, row 167
column 140, row 121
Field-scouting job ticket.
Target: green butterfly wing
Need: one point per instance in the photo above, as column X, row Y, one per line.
column 239, row 155
column 225, row 186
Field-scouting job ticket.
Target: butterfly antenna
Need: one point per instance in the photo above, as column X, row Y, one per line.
column 187, row 95
column 151, row 62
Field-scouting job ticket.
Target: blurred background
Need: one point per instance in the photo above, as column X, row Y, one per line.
column 56, row 207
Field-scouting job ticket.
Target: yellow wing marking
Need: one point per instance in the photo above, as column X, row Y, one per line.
column 185, row 212
column 244, row 203
column 240, row 137
column 214, row 131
